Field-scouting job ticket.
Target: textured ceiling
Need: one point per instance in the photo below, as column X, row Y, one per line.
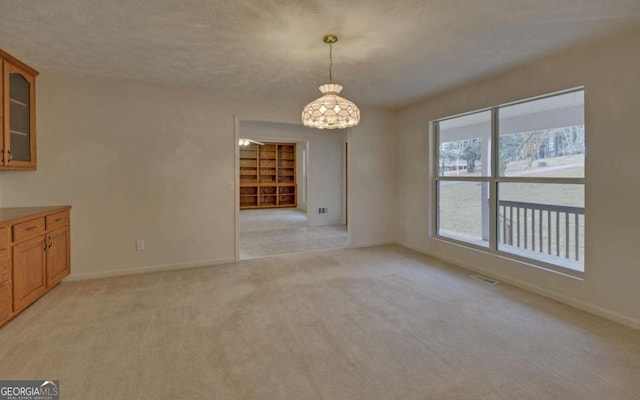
column 390, row 53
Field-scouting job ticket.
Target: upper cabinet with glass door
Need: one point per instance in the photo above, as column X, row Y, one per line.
column 18, row 128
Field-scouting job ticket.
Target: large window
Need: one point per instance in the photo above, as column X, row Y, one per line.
column 523, row 197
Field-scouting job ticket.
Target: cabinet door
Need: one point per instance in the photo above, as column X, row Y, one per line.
column 57, row 256
column 19, row 121
column 29, row 278
column 6, row 294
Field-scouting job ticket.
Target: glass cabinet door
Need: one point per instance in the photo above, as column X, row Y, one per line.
column 19, row 117
column 19, row 129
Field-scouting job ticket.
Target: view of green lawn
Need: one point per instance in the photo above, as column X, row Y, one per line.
column 546, row 166
column 460, row 202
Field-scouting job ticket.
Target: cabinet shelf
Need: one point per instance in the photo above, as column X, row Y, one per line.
column 14, row 101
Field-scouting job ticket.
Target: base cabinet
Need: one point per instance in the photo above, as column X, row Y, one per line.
column 34, row 255
column 29, row 276
column 5, row 302
column 6, row 290
column 57, row 256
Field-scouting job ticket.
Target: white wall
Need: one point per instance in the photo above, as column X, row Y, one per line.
column 325, row 176
column 609, row 72
column 301, row 148
column 373, row 177
column 143, row 161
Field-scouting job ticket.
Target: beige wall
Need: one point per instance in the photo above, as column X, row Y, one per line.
column 609, row 72
column 144, row 161
column 373, row 177
column 300, row 149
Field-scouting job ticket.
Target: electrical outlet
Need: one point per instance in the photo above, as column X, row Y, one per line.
column 323, row 210
column 139, row 245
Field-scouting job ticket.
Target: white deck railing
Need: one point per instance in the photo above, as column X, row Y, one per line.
column 544, row 228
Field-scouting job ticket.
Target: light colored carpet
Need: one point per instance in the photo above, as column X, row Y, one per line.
column 272, row 219
column 377, row 323
column 283, row 231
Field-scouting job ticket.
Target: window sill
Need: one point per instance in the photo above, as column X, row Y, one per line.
column 511, row 257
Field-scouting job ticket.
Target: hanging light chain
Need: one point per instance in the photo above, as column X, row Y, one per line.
column 330, row 39
column 330, row 62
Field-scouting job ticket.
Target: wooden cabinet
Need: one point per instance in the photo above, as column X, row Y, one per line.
column 268, row 175
column 17, row 113
column 57, row 256
column 29, row 275
column 6, row 304
column 34, row 255
column 6, row 290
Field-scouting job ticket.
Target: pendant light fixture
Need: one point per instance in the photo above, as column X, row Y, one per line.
column 330, row 111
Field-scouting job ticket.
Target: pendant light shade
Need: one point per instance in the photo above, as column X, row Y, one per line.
column 330, row 111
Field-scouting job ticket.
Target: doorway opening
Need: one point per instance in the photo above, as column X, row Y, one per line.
column 291, row 190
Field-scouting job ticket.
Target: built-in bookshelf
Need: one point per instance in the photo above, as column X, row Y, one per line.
column 268, row 175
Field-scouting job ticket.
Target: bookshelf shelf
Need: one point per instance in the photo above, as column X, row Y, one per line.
column 268, row 176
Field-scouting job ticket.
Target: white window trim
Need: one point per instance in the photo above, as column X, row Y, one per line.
column 494, row 180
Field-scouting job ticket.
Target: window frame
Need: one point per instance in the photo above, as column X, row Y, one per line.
column 493, row 181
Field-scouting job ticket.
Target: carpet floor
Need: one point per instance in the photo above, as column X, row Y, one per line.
column 375, row 323
column 283, row 231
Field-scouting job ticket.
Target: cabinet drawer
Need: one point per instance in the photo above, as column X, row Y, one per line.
column 4, row 237
column 57, row 220
column 28, row 229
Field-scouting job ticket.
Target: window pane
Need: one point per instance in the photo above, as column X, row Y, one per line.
column 463, row 211
column 543, row 221
column 464, row 145
column 543, row 138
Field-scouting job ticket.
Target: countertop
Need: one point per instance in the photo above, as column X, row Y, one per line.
column 17, row 213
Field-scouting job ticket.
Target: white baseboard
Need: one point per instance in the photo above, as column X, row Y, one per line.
column 146, row 269
column 590, row 308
